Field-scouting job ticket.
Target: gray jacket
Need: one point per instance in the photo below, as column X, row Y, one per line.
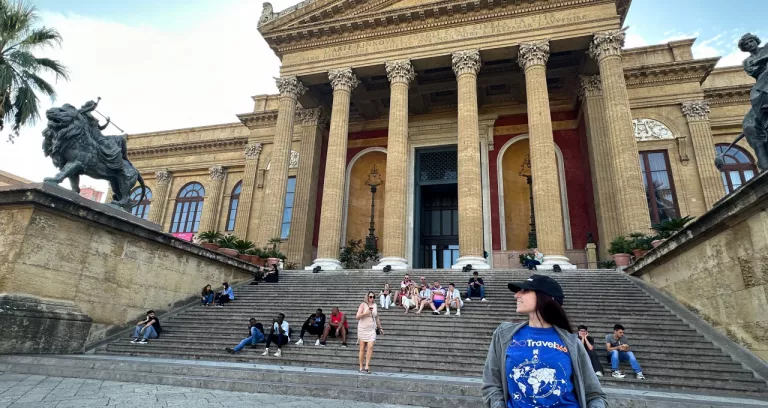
column 585, row 383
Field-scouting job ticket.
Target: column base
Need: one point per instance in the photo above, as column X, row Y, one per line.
column 551, row 260
column 394, row 262
column 327, row 264
column 477, row 262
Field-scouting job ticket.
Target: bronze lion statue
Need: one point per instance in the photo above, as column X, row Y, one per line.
column 74, row 142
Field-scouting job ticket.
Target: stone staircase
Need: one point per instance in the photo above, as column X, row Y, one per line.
column 438, row 352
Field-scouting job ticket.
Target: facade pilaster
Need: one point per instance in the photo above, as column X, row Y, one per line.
column 550, row 234
column 343, row 81
column 697, row 115
column 629, row 191
column 600, row 154
column 252, row 153
column 466, row 65
column 400, row 74
column 275, row 186
column 300, row 240
column 159, row 196
column 212, row 199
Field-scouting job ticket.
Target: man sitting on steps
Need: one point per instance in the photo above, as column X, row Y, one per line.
column 315, row 324
column 255, row 335
column 475, row 288
column 453, row 300
column 437, row 302
column 279, row 334
column 337, row 327
column 149, row 328
column 589, row 344
column 618, row 350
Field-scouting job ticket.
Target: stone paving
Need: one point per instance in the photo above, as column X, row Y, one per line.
column 37, row 391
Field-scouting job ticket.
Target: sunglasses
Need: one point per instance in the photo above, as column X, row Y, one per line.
column 370, row 297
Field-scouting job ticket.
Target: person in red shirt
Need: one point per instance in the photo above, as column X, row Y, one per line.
column 336, row 327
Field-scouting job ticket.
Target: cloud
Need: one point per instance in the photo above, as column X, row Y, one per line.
column 633, row 39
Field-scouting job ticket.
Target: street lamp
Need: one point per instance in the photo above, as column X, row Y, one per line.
column 374, row 180
column 525, row 171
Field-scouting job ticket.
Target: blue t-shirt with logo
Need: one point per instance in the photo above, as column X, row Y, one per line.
column 539, row 370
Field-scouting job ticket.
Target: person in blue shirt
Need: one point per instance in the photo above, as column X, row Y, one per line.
column 255, row 335
column 540, row 362
column 225, row 295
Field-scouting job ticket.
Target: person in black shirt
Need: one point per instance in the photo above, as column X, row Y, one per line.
column 255, row 335
column 272, row 276
column 149, row 328
column 315, row 324
column 475, row 288
column 589, row 344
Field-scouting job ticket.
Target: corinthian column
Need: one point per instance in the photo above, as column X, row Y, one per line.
column 243, row 217
column 697, row 114
column 212, row 199
column 547, row 203
column 273, row 201
column 466, row 65
column 631, row 202
column 159, row 196
column 343, row 82
column 400, row 74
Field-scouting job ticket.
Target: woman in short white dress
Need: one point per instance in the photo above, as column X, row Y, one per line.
column 367, row 323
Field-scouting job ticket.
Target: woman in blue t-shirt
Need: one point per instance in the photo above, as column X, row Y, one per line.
column 539, row 363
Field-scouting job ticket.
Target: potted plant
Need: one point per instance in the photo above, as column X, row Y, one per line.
column 619, row 250
column 667, row 228
column 209, row 239
column 640, row 244
column 242, row 246
column 273, row 255
column 355, row 255
column 257, row 256
column 227, row 245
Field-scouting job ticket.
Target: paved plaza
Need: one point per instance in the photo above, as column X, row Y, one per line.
column 37, row 391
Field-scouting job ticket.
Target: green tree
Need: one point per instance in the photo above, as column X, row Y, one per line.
column 20, row 69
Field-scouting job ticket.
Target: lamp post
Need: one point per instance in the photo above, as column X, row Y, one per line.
column 525, row 171
column 374, row 180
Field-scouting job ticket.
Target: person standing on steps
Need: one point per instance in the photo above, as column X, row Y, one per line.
column 337, row 327
column 368, row 326
column 279, row 334
column 385, row 297
column 540, row 362
column 453, row 300
column 255, row 335
column 618, row 350
column 149, row 328
column 206, row 296
column 315, row 324
column 225, row 296
column 475, row 288
column 589, row 344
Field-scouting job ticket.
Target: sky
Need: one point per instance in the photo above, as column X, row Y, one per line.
column 169, row 64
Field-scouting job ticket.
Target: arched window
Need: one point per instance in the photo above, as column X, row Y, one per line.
column 141, row 209
column 738, row 168
column 189, row 208
column 234, row 200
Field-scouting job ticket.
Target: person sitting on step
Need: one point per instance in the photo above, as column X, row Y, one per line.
column 475, row 288
column 149, row 328
column 410, row 299
column 385, row 297
column 255, row 335
column 279, row 334
column 315, row 324
column 437, row 301
column 618, row 350
column 226, row 295
column 404, row 289
column 271, row 275
column 206, row 296
column 589, row 344
column 453, row 300
column 425, row 297
column 337, row 327
column 537, row 259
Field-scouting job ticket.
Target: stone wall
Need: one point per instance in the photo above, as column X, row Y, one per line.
column 113, row 266
column 718, row 266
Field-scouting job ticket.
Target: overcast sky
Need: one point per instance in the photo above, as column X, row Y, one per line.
column 167, row 64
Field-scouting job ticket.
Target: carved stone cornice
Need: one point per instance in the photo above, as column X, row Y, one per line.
column 217, row 173
column 188, row 147
column 608, row 43
column 728, row 95
column 258, row 120
column 314, row 116
column 400, row 71
column 590, row 85
column 290, row 86
column 533, row 53
column 252, row 151
column 695, row 110
column 163, row 177
column 343, row 79
column 466, row 62
column 678, row 71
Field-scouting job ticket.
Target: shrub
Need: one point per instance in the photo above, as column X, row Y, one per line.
column 227, row 241
column 210, row 237
column 620, row 245
column 606, row 264
column 242, row 245
column 355, row 255
column 667, row 228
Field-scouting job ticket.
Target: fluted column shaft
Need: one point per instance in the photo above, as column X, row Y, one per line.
column 632, row 205
column 252, row 154
column 697, row 114
column 275, row 186
column 159, row 196
column 547, row 203
column 212, row 199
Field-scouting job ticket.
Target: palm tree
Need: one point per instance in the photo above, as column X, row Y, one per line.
column 20, row 69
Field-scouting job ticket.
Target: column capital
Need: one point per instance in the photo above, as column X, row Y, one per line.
column 343, row 79
column 695, row 110
column 590, row 85
column 533, row 53
column 314, row 116
column 217, row 173
column 400, row 71
column 466, row 62
column 163, row 176
column 290, row 86
column 252, row 151
column 607, row 43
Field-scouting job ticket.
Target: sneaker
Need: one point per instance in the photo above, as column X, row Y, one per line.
column 317, row 343
column 143, row 341
column 322, row 344
column 599, row 373
column 229, row 350
column 483, row 300
column 447, row 312
column 617, row 374
column 279, row 353
column 343, row 345
column 640, row 376
column 300, row 342
column 467, row 299
column 136, row 340
column 458, row 313
column 265, row 353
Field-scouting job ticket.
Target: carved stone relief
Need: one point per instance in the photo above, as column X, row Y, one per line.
column 649, row 129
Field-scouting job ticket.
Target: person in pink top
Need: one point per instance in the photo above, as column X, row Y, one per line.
column 368, row 324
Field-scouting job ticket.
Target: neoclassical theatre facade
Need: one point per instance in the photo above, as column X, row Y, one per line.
column 468, row 115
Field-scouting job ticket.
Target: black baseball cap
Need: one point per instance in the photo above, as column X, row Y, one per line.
column 540, row 283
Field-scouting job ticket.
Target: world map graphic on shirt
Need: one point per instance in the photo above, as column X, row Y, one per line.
column 536, row 380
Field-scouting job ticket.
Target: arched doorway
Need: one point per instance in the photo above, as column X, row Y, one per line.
column 357, row 203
